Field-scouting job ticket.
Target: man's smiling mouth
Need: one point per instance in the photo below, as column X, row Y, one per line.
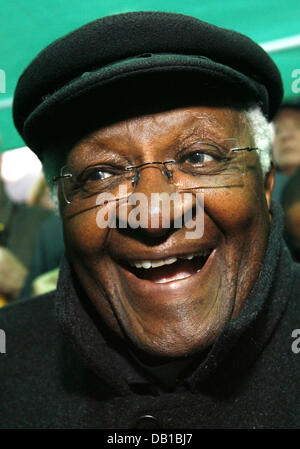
column 169, row 269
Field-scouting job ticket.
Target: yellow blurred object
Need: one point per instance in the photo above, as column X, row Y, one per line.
column 12, row 274
column 3, row 301
column 45, row 282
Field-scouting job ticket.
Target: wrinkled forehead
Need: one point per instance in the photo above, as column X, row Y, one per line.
column 163, row 128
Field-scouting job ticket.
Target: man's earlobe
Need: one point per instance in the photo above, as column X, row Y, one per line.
column 269, row 184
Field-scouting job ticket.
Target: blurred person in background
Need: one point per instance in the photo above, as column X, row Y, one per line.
column 48, row 250
column 48, row 247
column 286, row 149
column 291, row 204
column 19, row 224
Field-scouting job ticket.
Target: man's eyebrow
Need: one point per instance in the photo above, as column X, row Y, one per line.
column 104, row 143
column 91, row 150
column 94, row 139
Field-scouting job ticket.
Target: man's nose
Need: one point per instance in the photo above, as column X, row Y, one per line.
column 155, row 205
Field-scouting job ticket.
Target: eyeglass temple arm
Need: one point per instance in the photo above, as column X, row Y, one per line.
column 56, row 178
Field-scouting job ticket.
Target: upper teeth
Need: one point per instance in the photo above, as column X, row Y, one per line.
column 158, row 263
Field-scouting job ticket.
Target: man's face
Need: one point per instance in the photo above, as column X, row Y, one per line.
column 286, row 148
column 153, row 309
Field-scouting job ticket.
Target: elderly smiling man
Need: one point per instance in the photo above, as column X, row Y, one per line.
column 153, row 324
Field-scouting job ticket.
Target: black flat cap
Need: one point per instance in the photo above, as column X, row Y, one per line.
column 128, row 64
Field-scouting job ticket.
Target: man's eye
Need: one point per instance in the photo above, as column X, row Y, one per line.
column 198, row 158
column 98, row 175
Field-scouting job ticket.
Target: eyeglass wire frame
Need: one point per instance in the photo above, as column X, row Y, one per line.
column 136, row 176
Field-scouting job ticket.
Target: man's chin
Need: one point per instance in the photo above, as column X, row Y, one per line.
column 164, row 349
column 187, row 328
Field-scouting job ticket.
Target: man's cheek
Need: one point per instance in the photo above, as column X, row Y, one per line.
column 233, row 210
column 81, row 232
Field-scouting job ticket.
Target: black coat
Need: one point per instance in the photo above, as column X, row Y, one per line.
column 59, row 371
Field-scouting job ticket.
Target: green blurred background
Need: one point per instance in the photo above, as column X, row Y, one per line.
column 27, row 26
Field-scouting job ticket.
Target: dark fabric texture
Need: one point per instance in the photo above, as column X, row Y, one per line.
column 291, row 191
column 280, row 182
column 62, row 370
column 114, row 59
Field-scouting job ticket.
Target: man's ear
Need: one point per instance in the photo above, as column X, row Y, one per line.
column 269, row 184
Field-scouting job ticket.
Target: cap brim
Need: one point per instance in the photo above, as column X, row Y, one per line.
column 135, row 86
